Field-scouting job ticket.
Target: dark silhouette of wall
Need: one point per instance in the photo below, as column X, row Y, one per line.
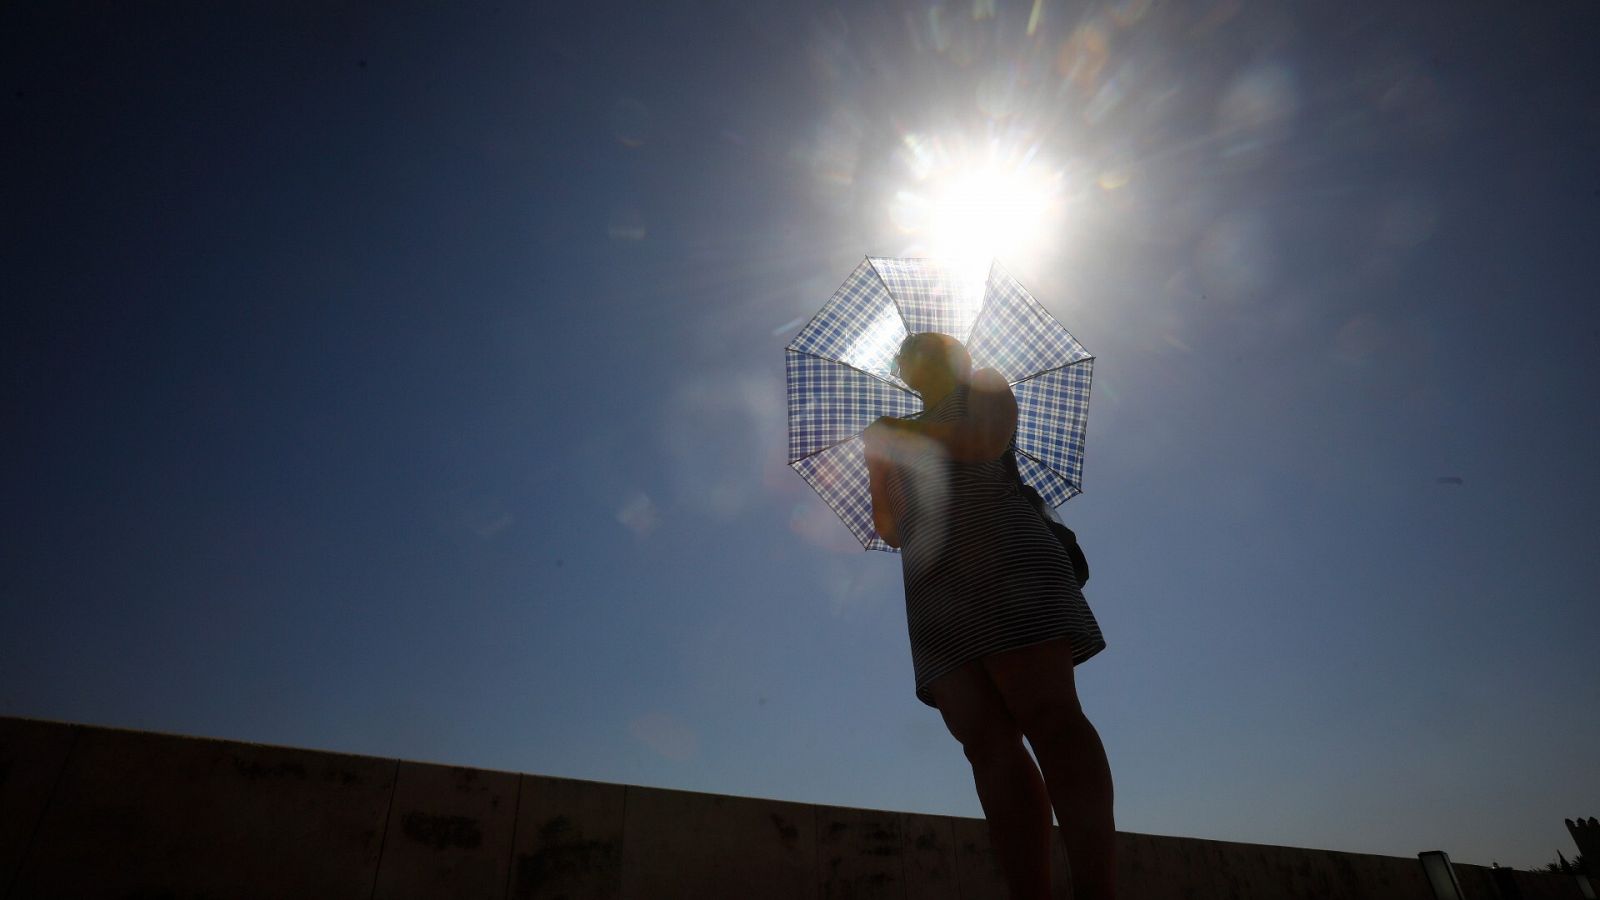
column 1586, row 834
column 90, row 812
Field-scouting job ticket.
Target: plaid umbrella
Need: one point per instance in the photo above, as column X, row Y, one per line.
column 838, row 377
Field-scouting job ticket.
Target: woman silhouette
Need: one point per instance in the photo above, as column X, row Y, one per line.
column 996, row 619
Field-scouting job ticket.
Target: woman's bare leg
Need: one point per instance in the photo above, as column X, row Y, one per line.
column 1017, row 806
column 1079, row 778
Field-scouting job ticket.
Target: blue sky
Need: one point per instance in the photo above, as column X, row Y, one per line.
column 409, row 382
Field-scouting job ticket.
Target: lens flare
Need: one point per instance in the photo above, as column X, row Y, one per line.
column 990, row 211
column 965, row 205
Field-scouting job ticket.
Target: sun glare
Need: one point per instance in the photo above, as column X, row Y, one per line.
column 986, row 212
column 966, row 212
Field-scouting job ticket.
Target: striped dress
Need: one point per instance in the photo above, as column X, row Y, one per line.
column 983, row 573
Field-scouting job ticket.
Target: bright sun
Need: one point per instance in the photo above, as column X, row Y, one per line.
column 967, row 212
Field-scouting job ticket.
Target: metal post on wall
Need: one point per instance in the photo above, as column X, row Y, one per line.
column 1505, row 884
column 1441, row 875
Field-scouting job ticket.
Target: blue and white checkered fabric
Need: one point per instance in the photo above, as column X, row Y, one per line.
column 838, row 379
column 829, row 402
column 1017, row 336
column 1052, row 487
column 839, row 476
column 1052, row 416
column 930, row 296
column 859, row 326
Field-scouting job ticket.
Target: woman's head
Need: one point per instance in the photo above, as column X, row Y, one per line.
column 927, row 358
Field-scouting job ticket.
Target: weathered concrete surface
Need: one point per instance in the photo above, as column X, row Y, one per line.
column 141, row 814
column 930, row 856
column 861, row 853
column 449, row 834
column 1157, row 867
column 683, row 844
column 32, row 755
column 90, row 812
column 977, row 869
column 1258, row 870
column 569, row 840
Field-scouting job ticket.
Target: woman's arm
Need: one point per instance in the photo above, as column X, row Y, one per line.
column 876, row 439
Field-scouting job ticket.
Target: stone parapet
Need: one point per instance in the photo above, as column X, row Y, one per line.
column 92, row 812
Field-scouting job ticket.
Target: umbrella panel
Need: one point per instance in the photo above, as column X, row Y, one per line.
column 830, row 402
column 859, row 326
column 1016, row 335
column 1052, row 418
column 839, row 476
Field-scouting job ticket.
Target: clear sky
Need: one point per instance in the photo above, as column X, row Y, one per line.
column 408, row 381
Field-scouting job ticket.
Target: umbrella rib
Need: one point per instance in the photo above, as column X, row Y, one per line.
column 852, row 434
column 818, row 314
column 1038, row 311
column 1046, row 466
column 797, row 459
column 1046, row 371
column 840, row 362
column 1037, row 308
column 897, row 387
column 978, row 319
column 1042, row 464
column 825, row 502
column 904, row 322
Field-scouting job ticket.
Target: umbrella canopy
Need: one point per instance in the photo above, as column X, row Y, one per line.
column 838, row 378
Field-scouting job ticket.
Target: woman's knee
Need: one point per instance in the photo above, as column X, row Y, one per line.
column 1038, row 688
column 1000, row 748
column 976, row 714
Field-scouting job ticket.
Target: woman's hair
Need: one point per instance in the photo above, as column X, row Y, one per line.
column 956, row 356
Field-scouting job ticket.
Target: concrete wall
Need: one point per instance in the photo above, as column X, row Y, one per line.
column 89, row 812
